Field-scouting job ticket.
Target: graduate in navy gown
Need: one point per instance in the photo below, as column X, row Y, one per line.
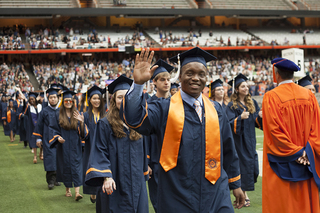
column 20, row 117
column 66, row 136
column 95, row 112
column 244, row 115
column 174, row 88
column 199, row 163
column 218, row 93
column 118, row 162
column 306, row 82
column 47, row 119
column 161, row 81
column 4, row 105
column 31, row 113
column 9, row 123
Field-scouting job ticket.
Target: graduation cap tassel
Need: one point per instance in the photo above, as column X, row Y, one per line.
column 86, row 102
column 233, row 80
column 274, row 74
column 210, row 90
column 107, row 99
column 175, row 78
column 61, row 100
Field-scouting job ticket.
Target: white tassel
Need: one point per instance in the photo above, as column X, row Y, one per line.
column 148, row 87
column 233, row 80
column 175, row 78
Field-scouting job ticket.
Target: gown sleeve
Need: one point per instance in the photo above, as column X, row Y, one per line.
column 230, row 156
column 234, row 119
column 54, row 131
column 145, row 118
column 38, row 130
column 258, row 119
column 99, row 165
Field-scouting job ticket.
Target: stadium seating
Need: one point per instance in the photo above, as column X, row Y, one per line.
column 225, row 33
column 151, row 4
column 39, row 3
column 252, row 4
column 312, row 4
column 279, row 34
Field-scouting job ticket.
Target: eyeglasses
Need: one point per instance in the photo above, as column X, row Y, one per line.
column 68, row 101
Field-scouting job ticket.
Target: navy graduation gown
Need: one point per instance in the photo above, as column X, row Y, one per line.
column 153, row 162
column 185, row 188
column 245, row 141
column 69, row 155
column 125, row 161
column 21, row 120
column 47, row 120
column 3, row 113
column 89, row 142
column 30, row 121
column 12, row 125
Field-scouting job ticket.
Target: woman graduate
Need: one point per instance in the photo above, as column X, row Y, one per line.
column 118, row 160
column 217, row 93
column 66, row 136
column 244, row 115
column 21, row 120
column 10, row 120
column 95, row 112
column 306, row 82
column 31, row 113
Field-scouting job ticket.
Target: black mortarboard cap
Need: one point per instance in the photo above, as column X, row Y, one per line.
column 95, row 90
column 162, row 67
column 238, row 79
column 194, row 55
column 52, row 91
column 305, row 81
column 174, row 85
column 216, row 83
column 68, row 94
column 121, row 83
column 33, row 94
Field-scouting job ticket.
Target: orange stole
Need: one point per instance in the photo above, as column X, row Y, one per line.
column 173, row 133
column 9, row 115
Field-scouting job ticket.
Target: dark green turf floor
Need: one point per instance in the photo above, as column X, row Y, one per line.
column 23, row 185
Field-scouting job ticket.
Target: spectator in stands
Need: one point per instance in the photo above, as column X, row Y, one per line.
column 210, row 33
column 304, row 39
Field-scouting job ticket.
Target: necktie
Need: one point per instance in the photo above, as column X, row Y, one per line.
column 198, row 109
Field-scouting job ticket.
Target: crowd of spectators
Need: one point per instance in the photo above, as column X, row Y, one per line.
column 258, row 69
column 46, row 39
column 12, row 77
column 10, row 38
column 80, row 74
column 192, row 39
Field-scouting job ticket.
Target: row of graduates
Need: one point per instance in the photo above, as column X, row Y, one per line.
column 183, row 187
column 118, row 157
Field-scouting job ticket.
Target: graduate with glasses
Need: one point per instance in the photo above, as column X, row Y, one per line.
column 65, row 135
column 118, row 161
column 96, row 111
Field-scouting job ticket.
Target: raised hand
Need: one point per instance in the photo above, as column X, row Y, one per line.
column 78, row 116
column 142, row 72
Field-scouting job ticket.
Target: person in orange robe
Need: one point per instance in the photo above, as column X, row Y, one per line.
column 291, row 148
